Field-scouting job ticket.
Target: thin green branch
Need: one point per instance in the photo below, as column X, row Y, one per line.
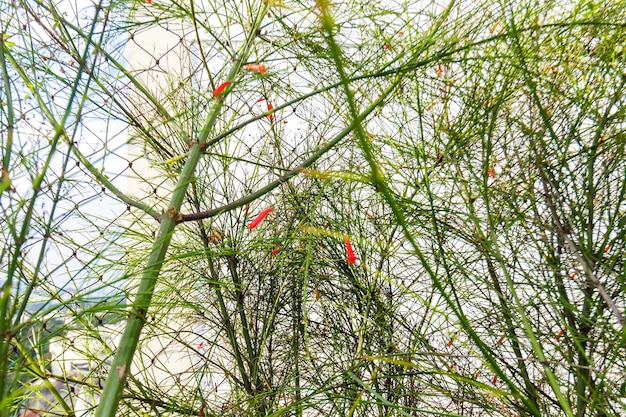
column 14, row 263
column 8, row 103
column 379, row 181
column 295, row 171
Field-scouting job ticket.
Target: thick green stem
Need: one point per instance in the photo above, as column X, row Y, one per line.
column 122, row 361
column 8, row 144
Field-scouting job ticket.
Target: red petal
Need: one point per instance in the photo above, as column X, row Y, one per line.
column 258, row 219
column 260, row 68
column 220, row 89
column 350, row 251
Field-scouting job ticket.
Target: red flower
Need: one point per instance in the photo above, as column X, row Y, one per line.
column 275, row 251
column 491, row 173
column 388, row 47
column 256, row 67
column 149, row 1
column 220, row 89
column 351, row 258
column 258, row 219
column 270, row 108
column 494, row 27
column 494, row 379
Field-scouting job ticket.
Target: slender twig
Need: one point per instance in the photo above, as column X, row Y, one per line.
column 574, row 250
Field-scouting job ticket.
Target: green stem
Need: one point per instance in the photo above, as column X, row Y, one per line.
column 295, row 171
column 378, row 180
column 8, row 144
column 6, row 334
column 122, row 361
column 230, row 330
column 253, row 356
column 81, row 61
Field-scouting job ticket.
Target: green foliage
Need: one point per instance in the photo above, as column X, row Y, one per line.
column 470, row 154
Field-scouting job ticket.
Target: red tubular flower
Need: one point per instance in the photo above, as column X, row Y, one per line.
column 258, row 219
column 495, row 26
column 275, row 251
column 220, row 89
column 351, row 258
column 270, row 108
column 260, row 68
